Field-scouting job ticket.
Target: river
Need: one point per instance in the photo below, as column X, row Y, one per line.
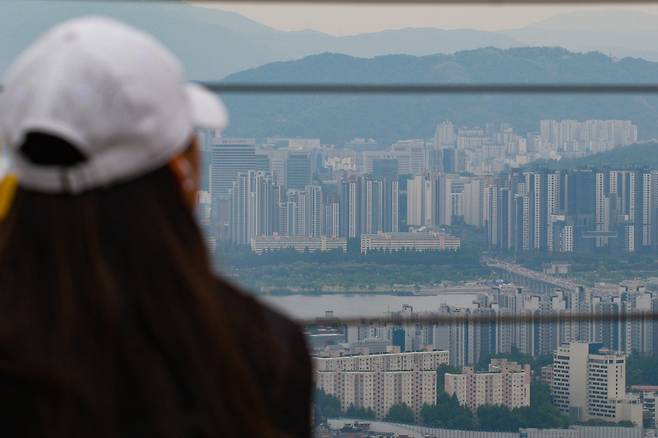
column 313, row 306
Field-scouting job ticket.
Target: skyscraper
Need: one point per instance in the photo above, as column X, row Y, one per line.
column 314, row 211
column 445, row 134
column 298, row 170
column 416, row 200
column 228, row 158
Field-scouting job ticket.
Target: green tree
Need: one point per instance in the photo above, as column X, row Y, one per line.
column 497, row 419
column 447, row 413
column 642, row 370
column 360, row 413
column 602, row 423
column 400, row 413
column 440, row 378
column 541, row 414
column 325, row 406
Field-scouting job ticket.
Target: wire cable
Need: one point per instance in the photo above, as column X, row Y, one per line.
column 487, row 317
column 326, row 88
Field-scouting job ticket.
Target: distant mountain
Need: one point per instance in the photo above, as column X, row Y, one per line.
column 338, row 118
column 615, row 32
column 213, row 43
column 637, row 155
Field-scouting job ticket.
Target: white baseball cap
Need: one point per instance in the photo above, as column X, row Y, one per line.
column 110, row 90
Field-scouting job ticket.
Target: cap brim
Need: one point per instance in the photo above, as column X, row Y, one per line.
column 208, row 111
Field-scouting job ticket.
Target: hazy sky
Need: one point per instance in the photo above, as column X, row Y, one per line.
column 343, row 20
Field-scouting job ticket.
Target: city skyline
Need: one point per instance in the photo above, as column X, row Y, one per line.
column 276, row 192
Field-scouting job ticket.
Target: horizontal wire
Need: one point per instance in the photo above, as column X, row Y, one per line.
column 324, row 88
column 400, row 2
column 488, row 318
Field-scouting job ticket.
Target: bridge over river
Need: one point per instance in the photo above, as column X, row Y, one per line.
column 533, row 280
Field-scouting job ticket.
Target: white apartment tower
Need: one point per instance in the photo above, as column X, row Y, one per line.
column 589, row 383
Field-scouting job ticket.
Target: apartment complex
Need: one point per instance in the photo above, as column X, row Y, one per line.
column 260, row 244
column 505, row 384
column 577, row 210
column 416, row 241
column 589, row 383
column 379, row 381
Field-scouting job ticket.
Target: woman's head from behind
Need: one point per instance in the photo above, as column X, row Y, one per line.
column 108, row 318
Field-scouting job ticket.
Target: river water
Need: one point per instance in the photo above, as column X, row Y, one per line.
column 313, row 306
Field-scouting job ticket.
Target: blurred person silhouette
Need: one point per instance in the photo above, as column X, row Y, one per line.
column 112, row 323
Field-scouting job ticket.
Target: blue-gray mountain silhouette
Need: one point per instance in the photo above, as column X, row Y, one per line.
column 338, row 118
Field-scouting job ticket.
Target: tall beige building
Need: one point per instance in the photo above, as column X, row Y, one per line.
column 506, row 384
column 379, row 381
column 589, row 383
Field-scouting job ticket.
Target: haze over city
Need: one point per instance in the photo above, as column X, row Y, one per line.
column 356, row 19
column 456, row 262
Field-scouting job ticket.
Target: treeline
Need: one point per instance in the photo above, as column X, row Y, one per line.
column 642, row 370
column 366, row 277
column 541, row 414
column 376, row 271
column 447, row 413
column 634, row 156
column 243, row 257
column 328, row 406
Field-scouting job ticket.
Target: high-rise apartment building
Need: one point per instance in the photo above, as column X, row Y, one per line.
column 416, row 201
column 589, row 383
column 590, row 136
column 579, row 210
column 445, row 134
column 505, row 384
column 252, row 205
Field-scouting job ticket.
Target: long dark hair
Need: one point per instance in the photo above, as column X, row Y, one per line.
column 110, row 320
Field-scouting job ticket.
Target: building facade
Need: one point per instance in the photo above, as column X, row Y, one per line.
column 589, row 383
column 380, row 381
column 506, row 384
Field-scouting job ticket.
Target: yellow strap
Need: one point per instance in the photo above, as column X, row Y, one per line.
column 7, row 191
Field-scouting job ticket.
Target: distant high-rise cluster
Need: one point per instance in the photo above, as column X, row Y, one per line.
column 260, row 207
column 469, row 341
column 302, row 188
column 573, row 138
column 573, row 211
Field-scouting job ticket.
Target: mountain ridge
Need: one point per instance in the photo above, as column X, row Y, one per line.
column 339, row 118
column 213, row 43
column 640, row 155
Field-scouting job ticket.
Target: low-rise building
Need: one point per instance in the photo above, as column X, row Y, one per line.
column 546, row 374
column 261, row 244
column 418, row 241
column 648, row 395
